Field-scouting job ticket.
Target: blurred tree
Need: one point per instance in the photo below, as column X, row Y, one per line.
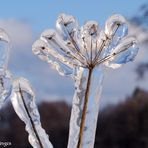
column 141, row 70
column 141, row 20
column 124, row 125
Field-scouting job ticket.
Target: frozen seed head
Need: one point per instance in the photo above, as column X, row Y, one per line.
column 88, row 46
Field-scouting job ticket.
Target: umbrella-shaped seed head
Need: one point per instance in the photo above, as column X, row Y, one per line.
column 87, row 46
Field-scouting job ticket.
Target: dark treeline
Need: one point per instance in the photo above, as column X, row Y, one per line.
column 121, row 126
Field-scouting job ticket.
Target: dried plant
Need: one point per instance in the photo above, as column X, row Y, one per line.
column 84, row 54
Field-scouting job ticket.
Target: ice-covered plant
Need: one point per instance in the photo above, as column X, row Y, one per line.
column 23, row 101
column 22, row 98
column 84, row 54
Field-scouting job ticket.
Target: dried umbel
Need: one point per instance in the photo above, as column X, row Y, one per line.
column 83, row 54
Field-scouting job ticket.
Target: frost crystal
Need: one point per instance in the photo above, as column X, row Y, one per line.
column 23, row 100
column 83, row 53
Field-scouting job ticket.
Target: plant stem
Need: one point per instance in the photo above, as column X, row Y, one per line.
column 84, row 111
column 85, row 108
column 32, row 123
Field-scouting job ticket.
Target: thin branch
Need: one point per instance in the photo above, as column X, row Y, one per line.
column 73, row 42
column 110, row 56
column 99, row 52
column 86, row 50
column 82, row 124
column 103, row 44
column 91, row 50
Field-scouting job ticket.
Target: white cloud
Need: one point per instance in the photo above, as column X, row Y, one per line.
column 139, row 32
column 141, row 35
column 21, row 33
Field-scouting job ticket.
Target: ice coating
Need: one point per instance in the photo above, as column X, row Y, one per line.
column 5, row 86
column 67, row 26
column 112, row 23
column 88, row 37
column 41, row 49
column 125, row 52
column 58, row 49
column 23, row 101
column 92, row 110
column 86, row 51
column 4, row 48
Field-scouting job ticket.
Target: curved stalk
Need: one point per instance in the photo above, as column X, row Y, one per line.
column 31, row 121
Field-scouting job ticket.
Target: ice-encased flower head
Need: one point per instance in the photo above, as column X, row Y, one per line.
column 69, row 47
column 82, row 53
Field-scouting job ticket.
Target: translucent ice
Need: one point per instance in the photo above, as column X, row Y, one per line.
column 23, row 101
column 66, row 26
column 113, row 23
column 125, row 52
column 86, row 140
column 5, row 86
column 88, row 36
column 58, row 49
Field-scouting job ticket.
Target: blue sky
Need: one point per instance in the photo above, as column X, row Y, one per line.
column 25, row 20
column 42, row 13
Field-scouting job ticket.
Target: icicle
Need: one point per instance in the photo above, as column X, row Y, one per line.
column 5, row 86
column 93, row 50
column 23, row 101
column 4, row 49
